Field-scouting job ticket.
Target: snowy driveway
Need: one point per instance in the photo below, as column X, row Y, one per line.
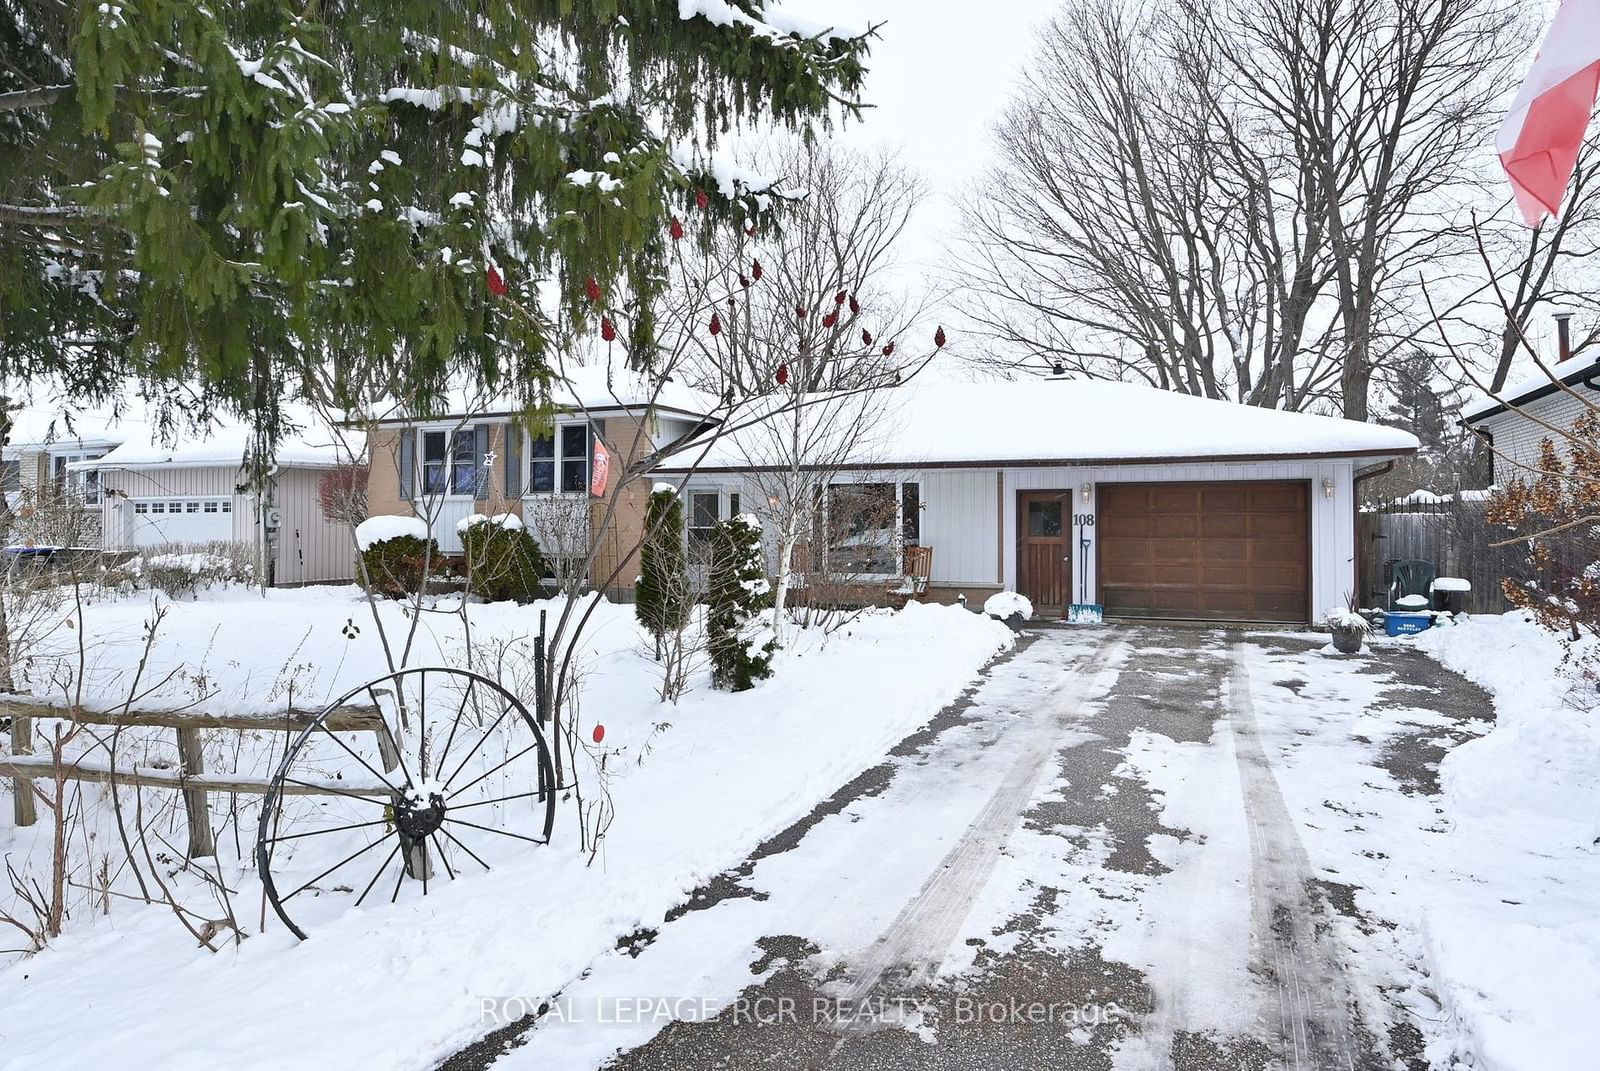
column 1132, row 847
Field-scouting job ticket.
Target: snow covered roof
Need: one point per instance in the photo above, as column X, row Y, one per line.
column 1572, row 371
column 1063, row 421
column 56, row 426
column 225, row 444
column 594, row 387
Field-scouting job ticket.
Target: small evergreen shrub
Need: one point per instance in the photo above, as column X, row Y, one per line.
column 503, row 560
column 399, row 566
column 661, row 596
column 739, row 592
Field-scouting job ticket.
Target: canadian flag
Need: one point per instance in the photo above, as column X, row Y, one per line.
column 602, row 470
column 1539, row 140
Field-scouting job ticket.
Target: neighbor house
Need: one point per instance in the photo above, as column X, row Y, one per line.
column 1522, row 415
column 113, row 481
column 1151, row 503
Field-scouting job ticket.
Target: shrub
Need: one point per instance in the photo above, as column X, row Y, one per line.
column 739, row 591
column 661, row 596
column 503, row 559
column 397, row 555
column 180, row 571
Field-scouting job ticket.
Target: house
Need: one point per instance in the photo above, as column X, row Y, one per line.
column 111, row 481
column 1152, row 503
column 478, row 456
column 1520, row 418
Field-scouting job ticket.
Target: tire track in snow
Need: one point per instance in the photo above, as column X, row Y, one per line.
column 1313, row 1007
column 916, row 942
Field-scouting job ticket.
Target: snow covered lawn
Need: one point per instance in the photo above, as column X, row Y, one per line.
column 696, row 786
column 1516, row 951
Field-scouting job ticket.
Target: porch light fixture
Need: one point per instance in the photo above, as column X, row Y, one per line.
column 1327, row 487
column 1088, row 490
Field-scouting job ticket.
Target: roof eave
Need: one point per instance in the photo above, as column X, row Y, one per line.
column 1078, row 462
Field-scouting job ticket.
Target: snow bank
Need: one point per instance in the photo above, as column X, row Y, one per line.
column 1004, row 604
column 1516, row 957
column 377, row 529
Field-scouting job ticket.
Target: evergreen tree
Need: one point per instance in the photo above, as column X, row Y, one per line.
column 739, row 591
column 662, row 593
column 244, row 198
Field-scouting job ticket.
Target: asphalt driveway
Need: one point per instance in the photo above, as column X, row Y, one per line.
column 1126, row 847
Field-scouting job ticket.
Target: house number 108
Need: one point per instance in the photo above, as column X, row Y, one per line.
column 1083, row 520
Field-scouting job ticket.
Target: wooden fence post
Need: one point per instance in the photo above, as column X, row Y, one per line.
column 191, row 760
column 22, row 787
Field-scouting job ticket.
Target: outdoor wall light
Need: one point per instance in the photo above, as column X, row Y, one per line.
column 1327, row 487
column 1088, row 489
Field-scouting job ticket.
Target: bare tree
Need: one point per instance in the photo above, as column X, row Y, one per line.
column 1235, row 200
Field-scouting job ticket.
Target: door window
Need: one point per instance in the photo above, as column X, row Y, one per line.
column 1044, row 519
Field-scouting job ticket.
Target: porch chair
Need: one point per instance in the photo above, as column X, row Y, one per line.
column 918, row 566
column 1410, row 576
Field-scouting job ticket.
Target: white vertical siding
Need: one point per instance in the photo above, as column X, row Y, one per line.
column 961, row 522
column 120, row 485
column 311, row 549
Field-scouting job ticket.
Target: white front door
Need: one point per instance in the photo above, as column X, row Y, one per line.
column 155, row 522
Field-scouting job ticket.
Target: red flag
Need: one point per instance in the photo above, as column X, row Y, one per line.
column 1539, row 140
column 602, row 470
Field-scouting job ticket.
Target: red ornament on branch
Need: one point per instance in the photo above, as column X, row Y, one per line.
column 701, row 200
column 608, row 330
column 801, row 312
column 783, row 374
column 838, row 299
column 716, row 324
column 866, row 337
column 591, row 287
column 888, row 349
column 855, row 306
column 830, row 319
column 675, row 228
column 755, row 270
column 599, row 733
column 744, row 281
column 938, row 338
column 497, row 285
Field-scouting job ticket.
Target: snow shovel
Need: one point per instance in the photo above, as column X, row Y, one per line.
column 1082, row 612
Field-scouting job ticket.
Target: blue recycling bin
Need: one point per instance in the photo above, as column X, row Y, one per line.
column 1402, row 624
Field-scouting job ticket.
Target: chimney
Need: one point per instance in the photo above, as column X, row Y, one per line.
column 1563, row 337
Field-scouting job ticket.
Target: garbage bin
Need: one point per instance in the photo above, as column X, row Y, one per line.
column 1450, row 593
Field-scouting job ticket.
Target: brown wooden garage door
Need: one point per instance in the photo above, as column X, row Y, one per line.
column 1205, row 551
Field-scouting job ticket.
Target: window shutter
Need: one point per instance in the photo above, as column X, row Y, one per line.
column 513, row 451
column 408, row 463
column 480, row 471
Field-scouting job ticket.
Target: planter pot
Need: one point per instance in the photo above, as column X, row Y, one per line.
column 1348, row 640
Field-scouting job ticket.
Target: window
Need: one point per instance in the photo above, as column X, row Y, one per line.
column 141, row 507
column 82, row 483
column 450, row 463
column 227, row 505
column 1044, row 518
column 911, row 514
column 158, row 507
column 211, row 507
column 565, row 454
column 861, row 528
column 733, row 503
column 191, row 507
column 574, row 458
column 11, row 475
column 705, row 508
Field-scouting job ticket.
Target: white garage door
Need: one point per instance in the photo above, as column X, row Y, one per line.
column 159, row 521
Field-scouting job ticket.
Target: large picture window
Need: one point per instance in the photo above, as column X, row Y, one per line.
column 450, row 463
column 560, row 460
column 862, row 521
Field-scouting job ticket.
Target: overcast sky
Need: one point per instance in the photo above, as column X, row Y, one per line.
column 941, row 74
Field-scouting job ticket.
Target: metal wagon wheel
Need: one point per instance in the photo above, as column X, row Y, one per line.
column 448, row 771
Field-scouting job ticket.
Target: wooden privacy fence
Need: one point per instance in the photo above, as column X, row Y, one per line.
column 1449, row 533
column 189, row 775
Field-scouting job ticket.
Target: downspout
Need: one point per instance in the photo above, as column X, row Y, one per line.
column 262, row 498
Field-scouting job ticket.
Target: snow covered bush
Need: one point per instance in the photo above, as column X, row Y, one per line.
column 397, row 555
column 1008, row 606
column 661, row 595
column 739, row 592
column 503, row 560
column 178, row 572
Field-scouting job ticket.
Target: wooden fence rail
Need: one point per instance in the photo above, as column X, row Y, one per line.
column 189, row 776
